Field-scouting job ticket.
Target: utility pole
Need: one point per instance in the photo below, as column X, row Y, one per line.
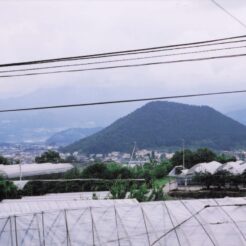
column 183, row 143
column 19, row 155
column 132, row 153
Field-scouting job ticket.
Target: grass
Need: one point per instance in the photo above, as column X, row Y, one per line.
column 162, row 182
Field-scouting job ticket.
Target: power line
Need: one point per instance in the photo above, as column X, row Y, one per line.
column 126, row 66
column 117, row 53
column 123, row 60
column 228, row 13
column 123, row 101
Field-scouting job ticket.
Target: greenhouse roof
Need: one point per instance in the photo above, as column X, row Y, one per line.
column 237, row 167
column 22, row 206
column 25, row 170
column 70, row 196
column 185, row 222
column 206, row 167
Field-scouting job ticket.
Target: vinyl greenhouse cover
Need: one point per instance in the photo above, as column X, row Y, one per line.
column 26, row 170
column 186, row 222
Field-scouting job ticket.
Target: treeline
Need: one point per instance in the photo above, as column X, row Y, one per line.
column 37, row 187
column 7, row 161
column 199, row 156
column 221, row 179
column 147, row 171
column 118, row 179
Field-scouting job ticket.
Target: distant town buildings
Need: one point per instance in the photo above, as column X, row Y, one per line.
column 26, row 153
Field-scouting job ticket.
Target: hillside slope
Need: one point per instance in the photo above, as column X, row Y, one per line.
column 163, row 125
column 71, row 135
column 238, row 115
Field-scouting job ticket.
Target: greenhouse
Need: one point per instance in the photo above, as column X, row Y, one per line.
column 235, row 168
column 206, row 167
column 27, row 170
column 125, row 222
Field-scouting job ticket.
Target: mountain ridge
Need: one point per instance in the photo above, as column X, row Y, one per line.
column 71, row 135
column 164, row 124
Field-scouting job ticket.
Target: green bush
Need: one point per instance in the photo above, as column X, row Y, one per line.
column 7, row 189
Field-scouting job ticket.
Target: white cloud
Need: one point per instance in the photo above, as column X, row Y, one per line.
column 43, row 29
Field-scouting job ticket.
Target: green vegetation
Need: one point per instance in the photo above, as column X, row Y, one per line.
column 140, row 182
column 142, row 193
column 205, row 194
column 221, row 180
column 5, row 161
column 144, row 183
column 199, row 156
column 49, row 156
column 43, row 187
column 7, row 189
column 162, row 125
column 162, row 182
column 147, row 171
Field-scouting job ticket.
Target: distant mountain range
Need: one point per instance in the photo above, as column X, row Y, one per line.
column 239, row 115
column 38, row 126
column 163, row 125
column 69, row 136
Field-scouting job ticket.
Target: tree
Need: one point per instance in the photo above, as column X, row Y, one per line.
column 49, row 156
column 139, row 194
column 177, row 159
column 118, row 190
column 206, row 179
column 204, row 155
column 225, row 158
column 7, row 189
column 199, row 156
column 98, row 170
column 221, row 178
column 5, row 161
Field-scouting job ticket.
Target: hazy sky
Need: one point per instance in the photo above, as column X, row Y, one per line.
column 33, row 30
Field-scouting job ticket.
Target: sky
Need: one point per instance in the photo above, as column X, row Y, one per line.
column 32, row 30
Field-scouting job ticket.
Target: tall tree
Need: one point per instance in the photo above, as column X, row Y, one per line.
column 49, row 156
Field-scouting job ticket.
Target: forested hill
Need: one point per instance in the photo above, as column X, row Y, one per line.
column 165, row 124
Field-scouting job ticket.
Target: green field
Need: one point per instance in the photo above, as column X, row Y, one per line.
column 162, row 182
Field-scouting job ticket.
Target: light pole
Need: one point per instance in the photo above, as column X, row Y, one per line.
column 19, row 159
column 20, row 171
column 183, row 145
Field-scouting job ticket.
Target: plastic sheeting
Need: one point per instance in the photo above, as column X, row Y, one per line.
column 25, row 170
column 206, row 167
column 19, row 207
column 174, row 223
column 71, row 196
column 234, row 167
column 237, row 167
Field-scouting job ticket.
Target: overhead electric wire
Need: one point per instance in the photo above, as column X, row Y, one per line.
column 117, row 53
column 123, row 101
column 126, row 66
column 228, row 13
column 123, row 60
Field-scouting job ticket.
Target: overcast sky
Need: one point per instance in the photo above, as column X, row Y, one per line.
column 32, row 30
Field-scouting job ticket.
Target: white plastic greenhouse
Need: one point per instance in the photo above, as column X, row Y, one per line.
column 25, row 170
column 188, row 223
column 237, row 167
column 206, row 167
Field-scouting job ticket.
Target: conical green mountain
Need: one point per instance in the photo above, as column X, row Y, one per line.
column 160, row 125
